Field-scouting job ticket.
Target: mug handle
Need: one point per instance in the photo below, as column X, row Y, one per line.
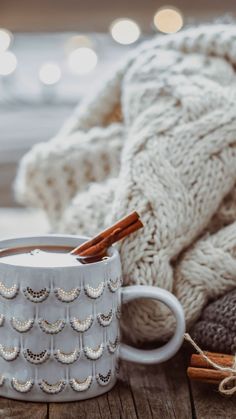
column 128, row 353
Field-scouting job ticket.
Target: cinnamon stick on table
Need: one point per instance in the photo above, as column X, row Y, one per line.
column 223, row 360
column 207, row 375
column 201, row 370
column 99, row 244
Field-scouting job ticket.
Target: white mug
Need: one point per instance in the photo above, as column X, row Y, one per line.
column 59, row 327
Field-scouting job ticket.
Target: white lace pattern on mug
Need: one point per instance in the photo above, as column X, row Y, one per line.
column 103, row 380
column 52, row 388
column 67, row 357
column 114, row 284
column 51, row 328
column 94, row 354
column 22, row 326
column 67, row 296
column 36, row 358
column 94, row 292
column 112, row 346
column 9, row 353
column 81, row 325
column 8, row 292
column 83, row 385
column 36, row 296
column 20, row 386
column 105, row 319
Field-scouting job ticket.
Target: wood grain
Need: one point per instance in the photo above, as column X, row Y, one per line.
column 10, row 409
column 209, row 404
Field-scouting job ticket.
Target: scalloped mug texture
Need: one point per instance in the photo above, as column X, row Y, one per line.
column 59, row 321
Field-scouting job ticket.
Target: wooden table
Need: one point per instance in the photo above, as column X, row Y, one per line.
column 144, row 392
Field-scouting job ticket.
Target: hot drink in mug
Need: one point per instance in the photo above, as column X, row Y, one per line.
column 59, row 320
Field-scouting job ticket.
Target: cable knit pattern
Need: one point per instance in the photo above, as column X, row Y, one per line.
column 172, row 158
column 57, row 170
column 95, row 206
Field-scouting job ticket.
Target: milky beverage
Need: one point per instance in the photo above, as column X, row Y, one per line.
column 45, row 256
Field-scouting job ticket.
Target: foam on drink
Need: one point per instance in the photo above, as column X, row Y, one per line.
column 47, row 257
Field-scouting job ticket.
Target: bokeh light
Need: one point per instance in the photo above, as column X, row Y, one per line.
column 78, row 41
column 168, row 20
column 5, row 39
column 49, row 73
column 82, row 60
column 8, row 63
column 125, row 31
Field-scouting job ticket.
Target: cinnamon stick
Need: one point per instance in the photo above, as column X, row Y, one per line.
column 103, row 240
column 223, row 360
column 215, row 368
column 207, row 375
column 101, row 246
column 117, row 235
column 128, row 230
column 201, row 370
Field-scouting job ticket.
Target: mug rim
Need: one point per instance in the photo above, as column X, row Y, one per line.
column 20, row 241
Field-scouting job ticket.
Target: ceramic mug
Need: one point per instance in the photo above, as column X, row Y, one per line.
column 59, row 327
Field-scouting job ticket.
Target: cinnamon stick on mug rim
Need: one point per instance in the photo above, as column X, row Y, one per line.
column 111, row 235
column 117, row 235
column 101, row 246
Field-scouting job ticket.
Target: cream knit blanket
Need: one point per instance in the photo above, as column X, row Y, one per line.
column 159, row 137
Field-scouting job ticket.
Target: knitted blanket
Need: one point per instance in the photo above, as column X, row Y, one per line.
column 160, row 138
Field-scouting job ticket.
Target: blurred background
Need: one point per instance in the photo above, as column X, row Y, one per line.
column 52, row 52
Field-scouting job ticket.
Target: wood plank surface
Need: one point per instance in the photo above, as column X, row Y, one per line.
column 209, row 404
column 12, row 409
